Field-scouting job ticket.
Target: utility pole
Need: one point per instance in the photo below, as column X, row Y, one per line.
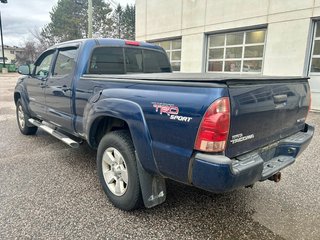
column 81, row 2
column 89, row 18
column 4, row 60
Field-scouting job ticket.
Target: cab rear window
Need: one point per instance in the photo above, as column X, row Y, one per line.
column 118, row 60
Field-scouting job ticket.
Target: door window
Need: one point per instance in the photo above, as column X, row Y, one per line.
column 43, row 65
column 65, row 62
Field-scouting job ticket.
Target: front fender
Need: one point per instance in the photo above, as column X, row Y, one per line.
column 23, row 95
column 22, row 91
column 132, row 114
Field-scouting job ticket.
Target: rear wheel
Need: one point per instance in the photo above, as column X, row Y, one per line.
column 22, row 119
column 117, row 170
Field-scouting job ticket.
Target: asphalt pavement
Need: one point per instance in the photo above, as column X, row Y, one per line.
column 50, row 191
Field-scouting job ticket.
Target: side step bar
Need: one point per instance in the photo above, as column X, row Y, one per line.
column 55, row 133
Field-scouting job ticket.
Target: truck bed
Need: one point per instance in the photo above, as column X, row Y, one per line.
column 264, row 109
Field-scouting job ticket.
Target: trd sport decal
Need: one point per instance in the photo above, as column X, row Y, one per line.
column 170, row 110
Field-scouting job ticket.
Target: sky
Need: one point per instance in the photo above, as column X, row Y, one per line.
column 19, row 17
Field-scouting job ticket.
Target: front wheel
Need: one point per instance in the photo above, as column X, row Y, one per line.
column 117, row 170
column 22, row 119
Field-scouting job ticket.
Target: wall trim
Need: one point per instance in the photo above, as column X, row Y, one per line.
column 164, row 39
column 239, row 29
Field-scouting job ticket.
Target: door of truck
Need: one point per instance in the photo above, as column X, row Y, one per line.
column 36, row 83
column 58, row 89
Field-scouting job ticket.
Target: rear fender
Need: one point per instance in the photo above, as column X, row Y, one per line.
column 132, row 114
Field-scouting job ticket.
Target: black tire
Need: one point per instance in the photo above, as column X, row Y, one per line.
column 22, row 119
column 121, row 141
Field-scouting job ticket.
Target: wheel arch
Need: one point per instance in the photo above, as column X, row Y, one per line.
column 16, row 97
column 103, row 125
column 20, row 94
column 111, row 114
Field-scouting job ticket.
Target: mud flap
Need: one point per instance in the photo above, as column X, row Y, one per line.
column 153, row 188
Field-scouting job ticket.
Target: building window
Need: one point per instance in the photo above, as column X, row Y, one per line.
column 173, row 49
column 11, row 52
column 240, row 52
column 315, row 62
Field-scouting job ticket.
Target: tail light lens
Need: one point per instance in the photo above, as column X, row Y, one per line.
column 133, row 43
column 214, row 128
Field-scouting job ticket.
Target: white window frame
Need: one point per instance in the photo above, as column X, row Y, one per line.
column 243, row 46
column 314, row 38
column 171, row 50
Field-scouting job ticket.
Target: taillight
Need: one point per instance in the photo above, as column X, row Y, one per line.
column 133, row 43
column 214, row 128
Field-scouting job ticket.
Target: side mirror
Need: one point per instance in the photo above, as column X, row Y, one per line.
column 24, row 70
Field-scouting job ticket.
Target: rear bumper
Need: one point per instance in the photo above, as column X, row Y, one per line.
column 217, row 173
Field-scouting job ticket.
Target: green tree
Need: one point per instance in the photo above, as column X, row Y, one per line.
column 117, row 27
column 128, row 19
column 124, row 22
column 69, row 20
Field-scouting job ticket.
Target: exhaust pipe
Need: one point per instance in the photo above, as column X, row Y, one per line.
column 276, row 177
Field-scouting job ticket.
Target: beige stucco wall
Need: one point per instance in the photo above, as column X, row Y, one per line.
column 288, row 25
column 286, row 47
column 192, row 56
column 191, row 19
column 10, row 56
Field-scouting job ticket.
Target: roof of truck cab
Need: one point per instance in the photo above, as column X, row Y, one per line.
column 105, row 42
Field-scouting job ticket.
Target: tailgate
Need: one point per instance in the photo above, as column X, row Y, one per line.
column 263, row 112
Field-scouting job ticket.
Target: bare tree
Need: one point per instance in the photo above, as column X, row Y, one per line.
column 42, row 43
column 29, row 54
column 32, row 48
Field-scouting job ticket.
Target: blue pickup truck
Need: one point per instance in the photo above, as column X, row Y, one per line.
column 212, row 131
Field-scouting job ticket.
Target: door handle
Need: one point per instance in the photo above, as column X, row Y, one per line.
column 65, row 88
column 277, row 99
